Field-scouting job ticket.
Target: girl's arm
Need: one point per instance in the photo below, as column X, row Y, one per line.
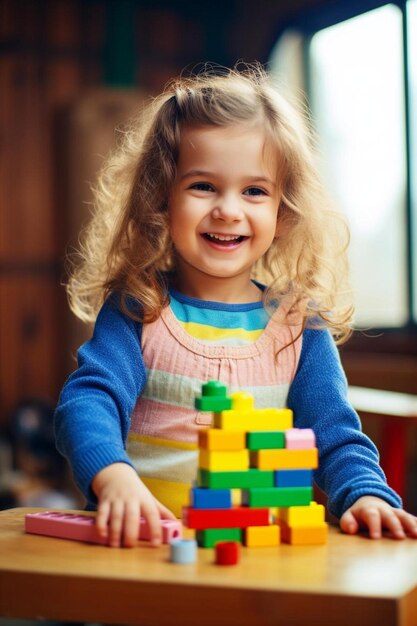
column 92, row 422
column 349, row 471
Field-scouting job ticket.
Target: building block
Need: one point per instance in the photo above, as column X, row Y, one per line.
column 215, row 439
column 311, row 515
column 235, row 480
column 293, row 478
column 284, row 459
column 202, row 498
column 262, row 536
column 183, row 551
column 82, row 527
column 303, row 535
column 237, row 460
column 299, row 439
column 236, row 497
column 265, row 440
column 214, row 397
column 277, row 496
column 254, row 420
column 237, row 517
column 227, row 553
column 210, row 536
column 242, row 401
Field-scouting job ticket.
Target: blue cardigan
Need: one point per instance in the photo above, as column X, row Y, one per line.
column 92, row 419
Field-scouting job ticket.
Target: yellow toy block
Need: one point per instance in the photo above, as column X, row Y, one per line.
column 284, row 459
column 242, row 401
column 216, row 439
column 254, row 419
column 261, row 536
column 236, row 497
column 224, row 461
column 303, row 535
column 301, row 516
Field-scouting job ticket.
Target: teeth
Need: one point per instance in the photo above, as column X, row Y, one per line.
column 223, row 237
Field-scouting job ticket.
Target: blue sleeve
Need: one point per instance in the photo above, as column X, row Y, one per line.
column 92, row 418
column 348, row 460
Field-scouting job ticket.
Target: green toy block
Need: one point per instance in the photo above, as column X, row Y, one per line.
column 265, row 440
column 235, row 480
column 277, row 496
column 214, row 388
column 213, row 403
column 209, row 537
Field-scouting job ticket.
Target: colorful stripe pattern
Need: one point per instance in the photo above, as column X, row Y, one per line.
column 164, row 424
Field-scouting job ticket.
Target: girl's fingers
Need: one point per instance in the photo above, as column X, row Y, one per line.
column 102, row 519
column 116, row 523
column 164, row 512
column 372, row 518
column 408, row 521
column 131, row 525
column 348, row 523
column 391, row 522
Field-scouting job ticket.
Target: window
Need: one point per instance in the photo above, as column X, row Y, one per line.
column 362, row 91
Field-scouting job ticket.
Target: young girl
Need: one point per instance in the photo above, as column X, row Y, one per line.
column 213, row 186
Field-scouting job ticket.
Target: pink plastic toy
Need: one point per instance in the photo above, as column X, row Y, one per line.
column 299, row 439
column 82, row 527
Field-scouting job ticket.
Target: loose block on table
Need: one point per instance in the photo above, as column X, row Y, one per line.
column 303, row 535
column 83, row 528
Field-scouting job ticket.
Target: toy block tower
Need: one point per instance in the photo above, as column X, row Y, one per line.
column 257, row 454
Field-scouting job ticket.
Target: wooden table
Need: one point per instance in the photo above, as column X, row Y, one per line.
column 349, row 581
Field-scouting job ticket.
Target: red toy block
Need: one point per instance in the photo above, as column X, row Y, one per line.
column 227, row 552
column 236, row 517
column 83, row 528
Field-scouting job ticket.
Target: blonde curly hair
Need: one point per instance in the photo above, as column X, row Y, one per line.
column 126, row 247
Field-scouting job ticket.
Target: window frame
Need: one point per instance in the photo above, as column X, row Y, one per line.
column 393, row 340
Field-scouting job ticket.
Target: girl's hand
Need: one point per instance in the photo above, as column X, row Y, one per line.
column 122, row 499
column 376, row 514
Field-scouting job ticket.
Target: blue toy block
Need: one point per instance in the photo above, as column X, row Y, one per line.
column 203, row 498
column 293, row 478
column 183, row 551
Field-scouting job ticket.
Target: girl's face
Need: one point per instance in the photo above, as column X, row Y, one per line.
column 223, row 206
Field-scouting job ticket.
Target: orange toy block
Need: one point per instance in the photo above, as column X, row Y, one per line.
column 303, row 535
column 221, row 440
column 262, row 536
column 284, row 459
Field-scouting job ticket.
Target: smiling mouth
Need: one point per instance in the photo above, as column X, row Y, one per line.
column 224, row 240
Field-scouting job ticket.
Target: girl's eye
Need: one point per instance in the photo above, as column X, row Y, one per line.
column 202, row 186
column 255, row 191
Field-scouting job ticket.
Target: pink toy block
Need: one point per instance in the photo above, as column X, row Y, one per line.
column 82, row 527
column 299, row 439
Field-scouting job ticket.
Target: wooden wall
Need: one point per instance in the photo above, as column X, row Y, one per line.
column 59, row 58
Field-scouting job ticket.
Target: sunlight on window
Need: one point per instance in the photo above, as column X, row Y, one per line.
column 412, row 49
column 357, row 89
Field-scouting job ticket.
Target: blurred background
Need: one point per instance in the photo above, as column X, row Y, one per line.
column 72, row 71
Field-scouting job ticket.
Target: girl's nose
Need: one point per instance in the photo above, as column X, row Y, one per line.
column 228, row 208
